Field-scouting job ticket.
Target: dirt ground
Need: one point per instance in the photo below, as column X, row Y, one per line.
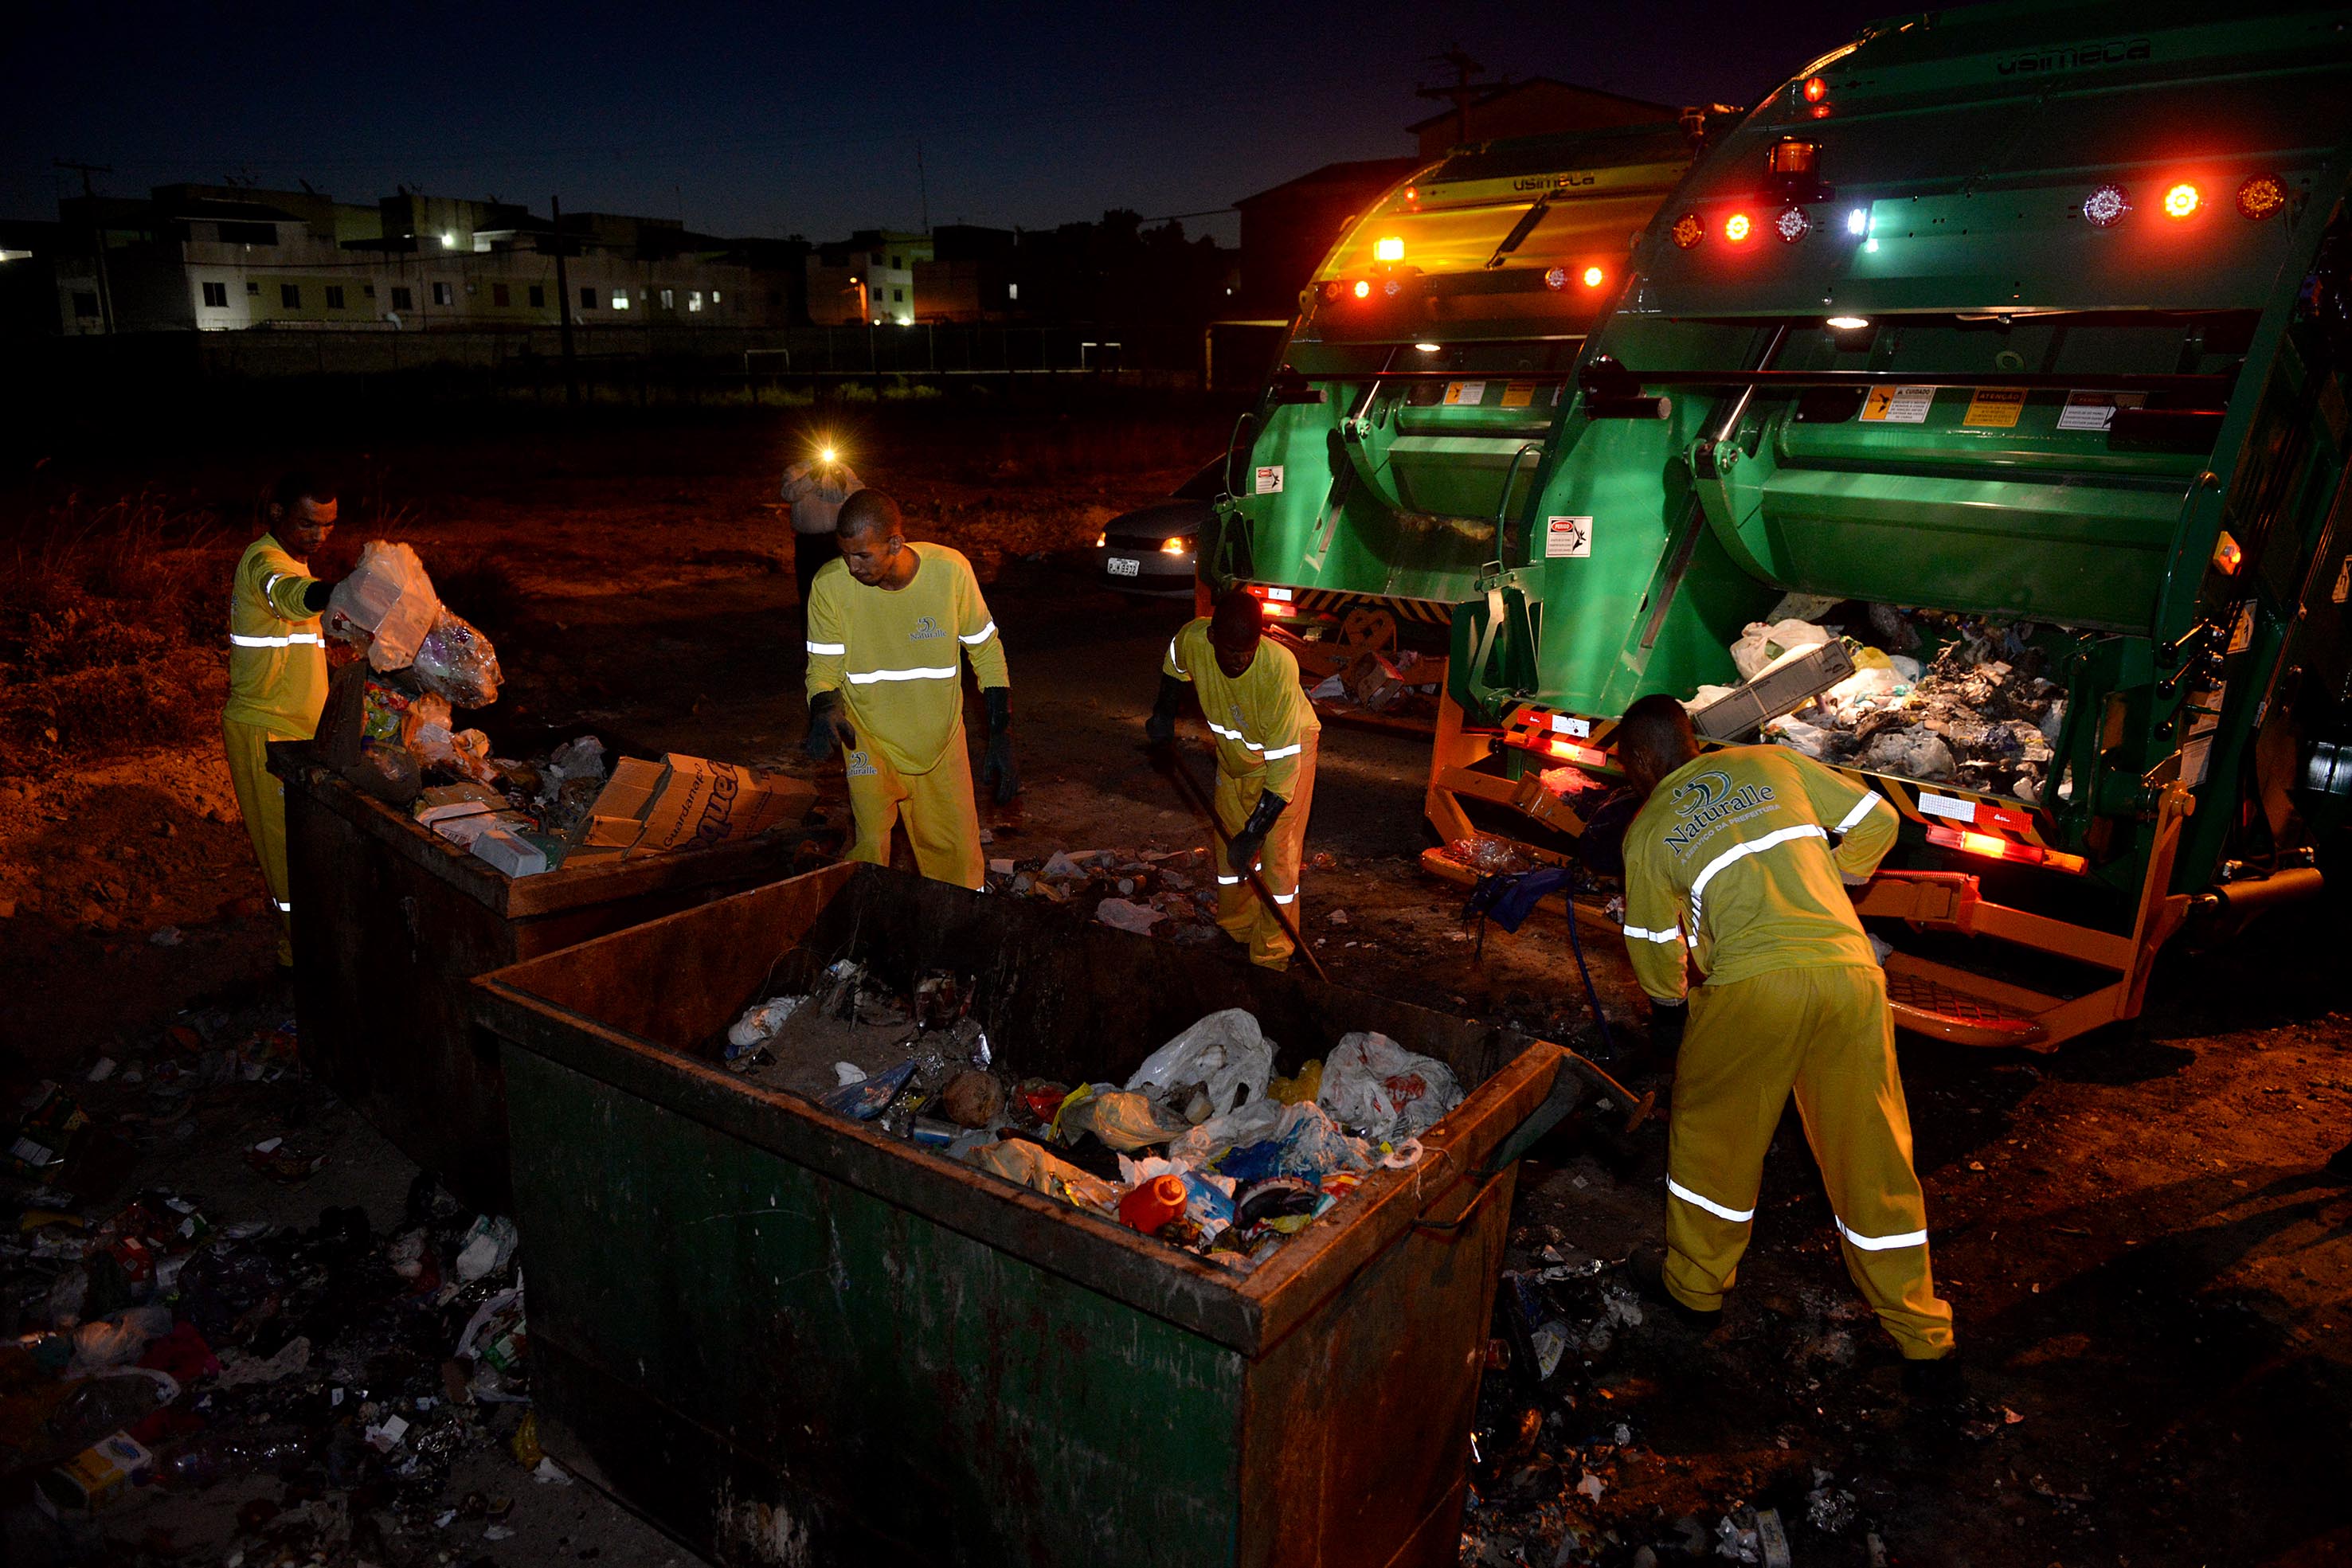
column 2152, row 1277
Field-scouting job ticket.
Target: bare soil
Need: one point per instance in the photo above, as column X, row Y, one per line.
column 2152, row 1276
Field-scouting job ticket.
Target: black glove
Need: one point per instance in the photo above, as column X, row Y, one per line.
column 997, row 766
column 315, row 597
column 1667, row 1021
column 1242, row 848
column 1159, row 729
column 828, row 727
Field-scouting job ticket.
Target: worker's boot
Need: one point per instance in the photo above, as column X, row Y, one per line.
column 1647, row 1268
column 1940, row 1384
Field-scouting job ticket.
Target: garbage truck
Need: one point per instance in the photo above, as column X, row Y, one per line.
column 1974, row 419
column 1419, row 389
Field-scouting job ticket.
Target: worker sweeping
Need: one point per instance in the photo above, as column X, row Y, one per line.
column 276, row 669
column 889, row 624
column 815, row 488
column 1733, row 867
column 1266, row 732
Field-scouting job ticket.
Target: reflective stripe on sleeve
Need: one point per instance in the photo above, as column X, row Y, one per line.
column 1172, row 658
column 832, row 649
column 1753, row 846
column 270, row 585
column 1284, row 898
column 1281, row 752
column 1671, row 934
column 976, row 638
column 1861, row 808
column 1740, row 1215
column 924, row 674
column 1881, row 1243
column 284, row 907
column 290, row 640
column 1229, row 881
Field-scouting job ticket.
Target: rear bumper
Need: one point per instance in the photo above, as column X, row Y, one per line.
column 1158, row 574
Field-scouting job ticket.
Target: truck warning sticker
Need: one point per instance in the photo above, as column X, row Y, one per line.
column 1267, row 480
column 1995, row 408
column 2242, row 630
column 1465, row 395
column 1567, row 537
column 1898, row 405
column 1519, row 394
column 2095, row 410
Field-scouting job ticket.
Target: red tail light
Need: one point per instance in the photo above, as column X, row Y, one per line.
column 1992, row 846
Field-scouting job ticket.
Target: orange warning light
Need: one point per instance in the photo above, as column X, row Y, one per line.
column 1738, row 227
column 1364, row 289
column 1688, row 231
column 1592, row 276
column 1816, row 90
column 2227, row 556
column 2261, row 197
column 2182, row 201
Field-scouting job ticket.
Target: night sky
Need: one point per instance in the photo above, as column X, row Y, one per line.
column 775, row 119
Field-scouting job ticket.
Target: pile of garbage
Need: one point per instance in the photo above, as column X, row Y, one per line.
column 1164, row 893
column 1203, row 1148
column 1978, row 712
column 158, row 1342
column 1393, row 680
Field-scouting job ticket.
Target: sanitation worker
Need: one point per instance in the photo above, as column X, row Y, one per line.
column 1733, row 868
column 815, row 488
column 1267, row 731
column 889, row 624
column 277, row 668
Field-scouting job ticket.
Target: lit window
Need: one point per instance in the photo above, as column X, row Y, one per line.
column 334, row 296
column 1013, row 291
column 666, row 302
column 620, row 300
column 444, row 294
column 217, row 296
column 289, row 295
column 714, row 297
column 694, row 299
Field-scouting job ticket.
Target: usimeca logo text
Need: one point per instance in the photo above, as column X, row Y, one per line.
column 2076, row 57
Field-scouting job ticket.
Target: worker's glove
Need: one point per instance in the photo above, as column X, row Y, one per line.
column 997, row 767
column 1667, row 1021
column 315, row 597
column 828, row 727
column 1159, row 729
column 1244, row 848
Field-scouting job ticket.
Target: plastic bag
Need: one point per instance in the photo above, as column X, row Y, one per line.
column 467, row 752
column 1122, row 1118
column 387, row 603
column 1247, row 1125
column 1025, row 1164
column 1371, row 1083
column 458, row 663
column 759, row 1023
column 1226, row 1051
column 1306, row 1142
column 1760, row 645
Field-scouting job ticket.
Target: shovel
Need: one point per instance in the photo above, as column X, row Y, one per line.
column 1167, row 761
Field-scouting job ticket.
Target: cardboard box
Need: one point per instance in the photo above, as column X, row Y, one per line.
column 94, row 1478
column 687, row 803
column 510, row 852
column 444, row 802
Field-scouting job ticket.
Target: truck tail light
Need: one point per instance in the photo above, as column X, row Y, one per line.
column 1992, row 846
column 2261, row 197
column 1688, row 231
column 1738, row 227
column 2104, row 207
column 2182, row 202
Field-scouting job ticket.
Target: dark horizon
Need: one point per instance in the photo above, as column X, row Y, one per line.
column 721, row 118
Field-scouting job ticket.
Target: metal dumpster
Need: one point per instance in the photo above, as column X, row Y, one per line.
column 792, row 1339
column 392, row 922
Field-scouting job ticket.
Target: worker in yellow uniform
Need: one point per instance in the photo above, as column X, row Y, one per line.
column 277, row 668
column 889, row 624
column 1736, row 866
column 1267, row 731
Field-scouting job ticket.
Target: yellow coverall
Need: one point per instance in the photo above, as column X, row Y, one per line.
column 1266, row 733
column 896, row 657
column 1730, row 862
column 277, row 687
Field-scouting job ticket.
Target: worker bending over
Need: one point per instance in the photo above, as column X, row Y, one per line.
column 276, row 669
column 1267, row 731
column 889, row 624
column 1733, row 866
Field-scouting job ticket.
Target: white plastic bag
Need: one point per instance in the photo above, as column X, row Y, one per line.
column 456, row 662
column 1246, row 1124
column 1372, row 1083
column 1225, row 1050
column 1761, row 647
column 387, row 602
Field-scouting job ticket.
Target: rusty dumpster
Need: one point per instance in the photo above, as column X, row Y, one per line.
column 392, row 922
column 792, row 1339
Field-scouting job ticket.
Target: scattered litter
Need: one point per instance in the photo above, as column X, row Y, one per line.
column 1126, row 915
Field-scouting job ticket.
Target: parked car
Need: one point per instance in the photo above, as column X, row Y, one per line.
column 1150, row 550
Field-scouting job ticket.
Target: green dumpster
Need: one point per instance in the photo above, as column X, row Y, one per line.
column 391, row 922
column 793, row 1340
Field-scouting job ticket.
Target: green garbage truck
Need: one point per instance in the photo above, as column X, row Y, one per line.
column 1973, row 417
column 1423, row 382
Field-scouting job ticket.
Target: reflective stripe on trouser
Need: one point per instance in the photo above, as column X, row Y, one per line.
column 1240, row 911
column 261, row 799
column 1825, row 1035
column 943, row 823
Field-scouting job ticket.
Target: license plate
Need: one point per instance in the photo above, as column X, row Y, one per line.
column 1122, row 566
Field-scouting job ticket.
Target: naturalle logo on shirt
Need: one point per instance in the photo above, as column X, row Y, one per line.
column 925, row 628
column 1707, row 800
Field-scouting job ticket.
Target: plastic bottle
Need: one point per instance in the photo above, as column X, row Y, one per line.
column 1152, row 1204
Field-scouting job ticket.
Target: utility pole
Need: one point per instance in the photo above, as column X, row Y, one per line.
column 1462, row 90
column 98, row 238
column 563, row 307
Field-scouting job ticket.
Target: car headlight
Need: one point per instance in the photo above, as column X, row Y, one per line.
column 1101, row 540
column 1178, row 544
